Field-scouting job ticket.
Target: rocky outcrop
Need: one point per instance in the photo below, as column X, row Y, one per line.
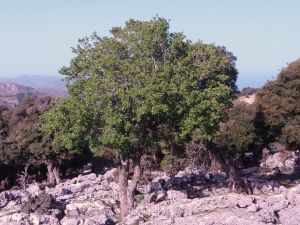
column 214, row 205
column 224, row 209
column 249, row 99
column 84, row 200
column 282, row 160
column 190, row 197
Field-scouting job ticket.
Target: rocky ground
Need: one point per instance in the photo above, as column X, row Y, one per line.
column 190, row 197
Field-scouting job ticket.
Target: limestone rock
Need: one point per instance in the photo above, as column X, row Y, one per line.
column 176, row 211
column 187, row 198
column 283, row 160
column 109, row 175
column 175, row 195
column 290, row 216
column 151, row 187
column 161, row 196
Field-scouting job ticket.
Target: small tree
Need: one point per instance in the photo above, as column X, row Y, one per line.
column 24, row 142
column 127, row 92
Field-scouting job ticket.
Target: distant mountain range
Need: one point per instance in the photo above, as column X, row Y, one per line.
column 37, row 81
column 11, row 94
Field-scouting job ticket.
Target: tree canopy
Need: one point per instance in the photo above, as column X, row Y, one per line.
column 144, row 76
column 128, row 90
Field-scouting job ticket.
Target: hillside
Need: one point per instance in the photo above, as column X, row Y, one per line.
column 11, row 94
column 37, row 81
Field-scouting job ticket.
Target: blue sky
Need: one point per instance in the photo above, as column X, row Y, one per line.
column 36, row 36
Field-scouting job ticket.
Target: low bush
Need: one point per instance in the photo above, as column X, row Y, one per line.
column 40, row 204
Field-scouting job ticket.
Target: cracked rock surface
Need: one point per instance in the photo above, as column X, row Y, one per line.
column 231, row 208
column 190, row 197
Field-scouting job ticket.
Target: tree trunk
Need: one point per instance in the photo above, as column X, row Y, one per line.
column 123, row 184
column 53, row 173
column 236, row 183
column 135, row 180
column 56, row 173
column 127, row 192
column 50, row 175
column 24, row 177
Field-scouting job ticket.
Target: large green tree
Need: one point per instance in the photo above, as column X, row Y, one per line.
column 128, row 90
column 278, row 108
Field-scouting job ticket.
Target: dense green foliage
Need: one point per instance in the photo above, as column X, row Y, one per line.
column 4, row 115
column 126, row 91
column 239, row 133
column 274, row 116
column 278, row 108
column 23, row 141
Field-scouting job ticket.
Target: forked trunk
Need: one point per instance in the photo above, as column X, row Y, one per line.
column 135, row 180
column 127, row 192
column 24, row 177
column 56, row 173
column 236, row 183
column 53, row 173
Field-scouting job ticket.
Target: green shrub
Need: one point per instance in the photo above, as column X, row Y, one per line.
column 278, row 108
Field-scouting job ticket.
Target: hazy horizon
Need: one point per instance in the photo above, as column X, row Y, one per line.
column 262, row 35
column 249, row 83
